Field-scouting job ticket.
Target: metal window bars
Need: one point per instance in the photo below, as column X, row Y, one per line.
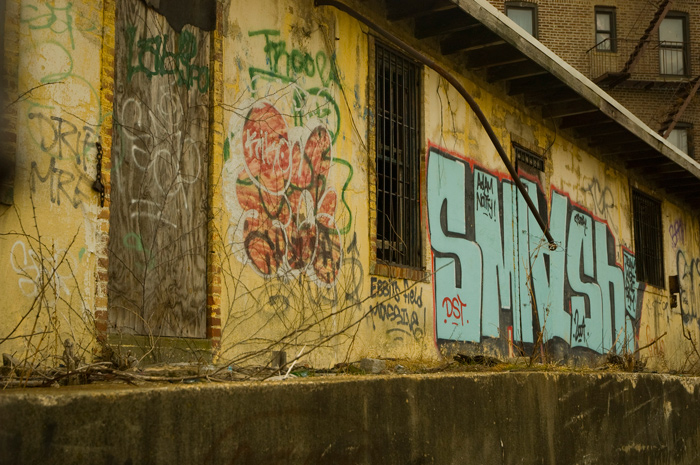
column 398, row 158
column 647, row 238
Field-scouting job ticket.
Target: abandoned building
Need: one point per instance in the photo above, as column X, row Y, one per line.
column 226, row 181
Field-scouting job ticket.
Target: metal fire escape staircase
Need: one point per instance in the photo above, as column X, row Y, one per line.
column 610, row 80
column 683, row 98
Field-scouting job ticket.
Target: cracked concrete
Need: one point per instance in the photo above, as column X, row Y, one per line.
column 484, row 418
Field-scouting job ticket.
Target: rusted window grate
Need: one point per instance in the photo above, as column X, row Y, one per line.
column 647, row 239
column 528, row 158
column 398, row 159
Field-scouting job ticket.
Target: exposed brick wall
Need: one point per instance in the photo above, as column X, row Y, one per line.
column 107, row 99
column 216, row 140
column 567, row 27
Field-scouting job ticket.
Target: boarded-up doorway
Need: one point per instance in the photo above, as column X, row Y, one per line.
column 158, row 214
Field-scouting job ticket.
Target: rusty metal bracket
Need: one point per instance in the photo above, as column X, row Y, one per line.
column 418, row 56
column 97, row 186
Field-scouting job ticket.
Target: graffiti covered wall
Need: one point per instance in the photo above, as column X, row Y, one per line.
column 296, row 176
column 242, row 162
column 292, row 252
column 50, row 235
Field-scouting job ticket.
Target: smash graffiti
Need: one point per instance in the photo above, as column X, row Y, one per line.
column 290, row 207
column 493, row 270
column 161, row 56
column 399, row 304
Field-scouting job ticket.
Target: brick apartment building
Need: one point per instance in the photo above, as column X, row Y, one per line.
column 643, row 53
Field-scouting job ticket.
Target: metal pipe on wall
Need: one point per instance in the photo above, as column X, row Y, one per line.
column 418, row 56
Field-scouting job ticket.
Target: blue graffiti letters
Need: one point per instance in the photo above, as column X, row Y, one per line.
column 492, row 267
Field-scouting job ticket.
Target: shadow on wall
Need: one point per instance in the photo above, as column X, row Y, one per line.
column 198, row 13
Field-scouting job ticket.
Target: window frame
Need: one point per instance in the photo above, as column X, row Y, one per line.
column 685, row 48
column 410, row 180
column 525, row 6
column 688, row 128
column 612, row 12
column 647, row 225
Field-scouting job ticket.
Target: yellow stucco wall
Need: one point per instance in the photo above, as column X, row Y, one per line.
column 50, row 233
column 293, row 237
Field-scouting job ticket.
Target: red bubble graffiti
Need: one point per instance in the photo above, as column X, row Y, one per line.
column 290, row 224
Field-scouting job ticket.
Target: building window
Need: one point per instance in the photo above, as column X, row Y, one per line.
column 398, row 158
column 605, row 32
column 524, row 14
column 673, row 45
column 647, row 239
column 680, row 136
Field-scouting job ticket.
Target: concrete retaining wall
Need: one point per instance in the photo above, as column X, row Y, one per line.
column 506, row 418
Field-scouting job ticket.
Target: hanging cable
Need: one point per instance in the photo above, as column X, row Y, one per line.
column 418, row 56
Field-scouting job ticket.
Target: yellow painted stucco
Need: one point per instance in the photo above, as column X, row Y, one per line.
column 50, row 234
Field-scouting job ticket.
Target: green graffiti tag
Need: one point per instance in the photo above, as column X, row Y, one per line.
column 164, row 62
column 290, row 67
column 67, row 143
column 345, row 229
column 294, row 63
column 49, row 19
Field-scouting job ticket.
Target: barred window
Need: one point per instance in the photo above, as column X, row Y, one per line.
column 647, row 239
column 398, row 158
column 673, row 44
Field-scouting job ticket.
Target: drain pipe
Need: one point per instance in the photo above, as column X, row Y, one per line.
column 418, row 56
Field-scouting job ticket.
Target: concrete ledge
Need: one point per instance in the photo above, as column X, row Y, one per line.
column 500, row 418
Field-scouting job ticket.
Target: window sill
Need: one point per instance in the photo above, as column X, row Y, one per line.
column 399, row 272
